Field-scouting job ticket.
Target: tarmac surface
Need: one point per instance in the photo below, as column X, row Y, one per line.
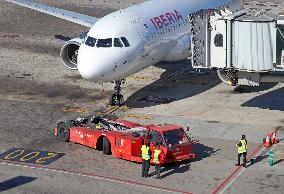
column 37, row 91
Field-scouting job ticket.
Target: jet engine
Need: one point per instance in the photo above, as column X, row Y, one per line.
column 69, row 51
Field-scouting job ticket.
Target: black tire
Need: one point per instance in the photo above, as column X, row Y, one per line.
column 116, row 100
column 106, row 146
column 63, row 131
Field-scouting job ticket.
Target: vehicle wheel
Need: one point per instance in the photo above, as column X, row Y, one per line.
column 111, row 100
column 63, row 131
column 120, row 100
column 116, row 100
column 106, row 146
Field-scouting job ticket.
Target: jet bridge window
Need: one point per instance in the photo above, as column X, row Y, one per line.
column 104, row 42
column 125, row 42
column 91, row 41
column 117, row 42
column 218, row 40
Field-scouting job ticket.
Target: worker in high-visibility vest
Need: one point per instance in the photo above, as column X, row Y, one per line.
column 158, row 152
column 242, row 147
column 146, row 156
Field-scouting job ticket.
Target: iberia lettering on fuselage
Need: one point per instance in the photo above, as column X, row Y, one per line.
column 164, row 20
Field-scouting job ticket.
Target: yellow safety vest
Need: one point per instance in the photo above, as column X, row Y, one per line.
column 145, row 152
column 156, row 156
column 243, row 148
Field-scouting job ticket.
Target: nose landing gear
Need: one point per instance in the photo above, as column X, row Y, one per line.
column 117, row 98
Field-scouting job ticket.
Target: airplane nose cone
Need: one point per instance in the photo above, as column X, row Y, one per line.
column 87, row 64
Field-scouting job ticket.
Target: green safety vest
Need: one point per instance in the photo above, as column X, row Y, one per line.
column 243, row 148
column 145, row 152
column 156, row 156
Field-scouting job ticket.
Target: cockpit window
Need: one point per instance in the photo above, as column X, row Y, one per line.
column 104, row 42
column 117, row 42
column 91, row 41
column 125, row 42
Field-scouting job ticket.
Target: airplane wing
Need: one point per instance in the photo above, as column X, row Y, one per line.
column 74, row 17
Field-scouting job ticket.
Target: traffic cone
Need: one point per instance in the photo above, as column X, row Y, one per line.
column 267, row 140
column 274, row 140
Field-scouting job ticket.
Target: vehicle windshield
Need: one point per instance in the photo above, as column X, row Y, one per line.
column 175, row 137
column 156, row 137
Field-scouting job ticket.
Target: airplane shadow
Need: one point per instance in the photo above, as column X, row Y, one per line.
column 15, row 182
column 62, row 37
column 179, row 81
column 272, row 100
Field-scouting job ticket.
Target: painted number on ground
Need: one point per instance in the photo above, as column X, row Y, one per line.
column 30, row 156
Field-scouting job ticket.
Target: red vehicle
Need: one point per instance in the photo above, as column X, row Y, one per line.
column 123, row 139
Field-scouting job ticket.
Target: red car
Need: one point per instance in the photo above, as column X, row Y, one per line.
column 123, row 139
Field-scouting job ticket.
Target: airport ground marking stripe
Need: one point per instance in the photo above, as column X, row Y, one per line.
column 227, row 181
column 241, row 172
column 92, row 175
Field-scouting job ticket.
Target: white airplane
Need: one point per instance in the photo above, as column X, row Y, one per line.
column 129, row 40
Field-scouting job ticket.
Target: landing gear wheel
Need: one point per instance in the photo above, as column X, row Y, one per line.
column 106, row 146
column 116, row 100
column 63, row 131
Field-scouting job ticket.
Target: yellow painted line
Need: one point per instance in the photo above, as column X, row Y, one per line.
column 141, row 78
column 133, row 116
column 76, row 110
column 110, row 110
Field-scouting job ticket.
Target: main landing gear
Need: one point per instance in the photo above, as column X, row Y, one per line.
column 117, row 98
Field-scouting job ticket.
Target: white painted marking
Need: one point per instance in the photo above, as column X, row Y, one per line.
column 241, row 172
column 92, row 176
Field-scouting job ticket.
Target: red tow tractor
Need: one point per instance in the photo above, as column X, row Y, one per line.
column 123, row 139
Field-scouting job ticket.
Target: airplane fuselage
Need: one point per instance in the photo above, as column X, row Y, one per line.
column 129, row 40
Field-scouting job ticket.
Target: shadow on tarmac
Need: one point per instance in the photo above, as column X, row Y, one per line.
column 251, row 89
column 15, row 182
column 179, row 81
column 272, row 100
column 278, row 161
column 168, row 170
column 202, row 151
column 62, row 37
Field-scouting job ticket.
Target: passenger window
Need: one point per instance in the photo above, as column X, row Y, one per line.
column 104, row 42
column 125, row 42
column 117, row 43
column 91, row 41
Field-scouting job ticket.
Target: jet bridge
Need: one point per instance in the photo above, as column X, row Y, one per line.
column 245, row 50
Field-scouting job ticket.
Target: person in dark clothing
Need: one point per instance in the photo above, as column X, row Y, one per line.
column 242, row 147
column 146, row 156
column 158, row 153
